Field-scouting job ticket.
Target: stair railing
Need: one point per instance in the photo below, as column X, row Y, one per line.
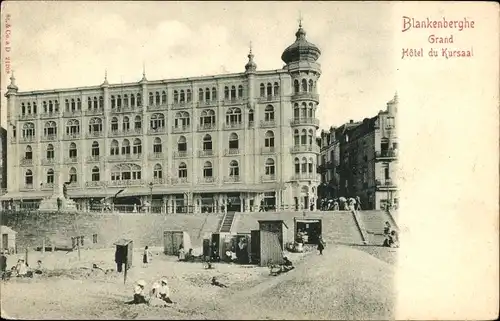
column 360, row 226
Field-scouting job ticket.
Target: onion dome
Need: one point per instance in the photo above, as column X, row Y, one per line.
column 12, row 86
column 301, row 49
column 251, row 66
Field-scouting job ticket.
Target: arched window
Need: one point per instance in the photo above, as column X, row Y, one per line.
column 89, row 103
column 188, row 95
column 44, row 104
column 34, row 107
column 28, row 130
column 303, row 113
column 233, row 141
column 73, row 152
column 96, row 103
column 240, row 91
column 176, row 96
column 114, row 124
column 311, row 110
column 233, row 116
column 182, row 144
column 95, row 125
column 296, row 112
column 214, row 94
column 78, row 104
column 207, row 169
column 125, row 100
column 157, row 121
column 262, row 90
column 151, row 99
column 311, row 165
column 139, row 100
column 269, row 92
column 233, row 92
column 113, row 102
column 137, row 148
column 207, row 117
column 183, row 172
column 270, row 166
column 126, row 124
column 73, row 105
column 269, row 113
column 303, row 137
column 269, row 139
column 157, row 147
column 157, row 98
column 72, row 175
column 276, row 89
column 119, row 101
column 250, row 117
column 137, row 122
column 311, row 135
column 296, row 137
column 125, row 147
column 200, row 94
column 181, row 119
column 95, row 149
column 51, row 106
column 226, row 93
column 50, row 176
column 304, row 165
column 101, row 102
column 207, row 142
column 23, row 109
column 114, row 150
column 207, row 94
column 132, row 100
column 304, row 85
column 95, row 174
column 234, row 170
column 182, row 97
column 163, row 98
column 50, row 129
column 157, row 172
column 311, row 85
column 66, row 104
column 28, row 152
column 28, row 177
column 73, row 127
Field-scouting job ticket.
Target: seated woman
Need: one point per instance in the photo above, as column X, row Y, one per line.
column 393, row 239
column 182, row 253
column 287, row 265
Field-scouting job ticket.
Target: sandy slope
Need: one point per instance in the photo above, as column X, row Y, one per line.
column 345, row 283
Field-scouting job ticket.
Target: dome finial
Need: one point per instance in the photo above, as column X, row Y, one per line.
column 105, row 83
column 143, row 72
column 300, row 19
column 251, row 66
column 12, row 86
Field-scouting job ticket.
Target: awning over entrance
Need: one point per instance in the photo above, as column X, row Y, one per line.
column 26, row 195
column 307, row 221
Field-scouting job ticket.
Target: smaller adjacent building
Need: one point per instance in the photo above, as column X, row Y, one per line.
column 360, row 159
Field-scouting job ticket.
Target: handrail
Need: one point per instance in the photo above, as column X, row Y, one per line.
column 360, row 226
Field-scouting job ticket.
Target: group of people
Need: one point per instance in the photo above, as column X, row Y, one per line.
column 159, row 293
column 341, row 204
column 21, row 269
column 391, row 236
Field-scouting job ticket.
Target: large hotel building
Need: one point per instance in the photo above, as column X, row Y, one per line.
column 235, row 140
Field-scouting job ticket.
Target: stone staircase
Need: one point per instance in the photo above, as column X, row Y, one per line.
column 374, row 223
column 227, row 222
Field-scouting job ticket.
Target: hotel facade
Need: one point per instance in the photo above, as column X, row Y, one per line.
column 233, row 141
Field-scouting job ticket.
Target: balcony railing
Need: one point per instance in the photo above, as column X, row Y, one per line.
column 155, row 156
column 206, row 153
column 123, row 157
column 305, row 149
column 306, row 95
column 160, row 181
column 181, row 128
column 48, row 161
column 93, row 159
column 72, row 113
column 180, row 105
column 48, row 138
column 180, row 180
column 389, row 153
column 232, row 179
column 267, row 123
column 207, row 103
column 73, row 185
column 94, row 112
column 207, row 126
column 27, row 139
column 49, row 115
column 27, row 116
column 95, row 134
column 306, row 176
column 123, row 109
column 385, row 183
column 94, row 184
column 207, row 180
column 268, row 178
column 305, row 121
column 180, row 154
column 234, row 101
column 269, row 98
column 71, row 160
column 233, row 125
column 71, row 136
column 27, row 187
column 159, row 130
column 125, row 132
column 26, row 161
column 268, row 150
column 127, row 182
column 47, row 186
column 158, row 107
column 232, row 151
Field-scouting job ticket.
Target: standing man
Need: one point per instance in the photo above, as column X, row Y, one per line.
column 321, row 245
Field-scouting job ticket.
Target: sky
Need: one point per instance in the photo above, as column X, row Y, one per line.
column 71, row 44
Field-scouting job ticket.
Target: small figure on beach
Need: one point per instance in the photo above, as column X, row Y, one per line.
column 217, row 283
column 139, row 296
column 146, row 256
column 164, row 291
column 321, row 245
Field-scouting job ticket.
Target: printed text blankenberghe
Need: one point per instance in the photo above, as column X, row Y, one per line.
column 428, row 23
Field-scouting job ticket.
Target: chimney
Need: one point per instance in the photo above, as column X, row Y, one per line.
column 351, row 121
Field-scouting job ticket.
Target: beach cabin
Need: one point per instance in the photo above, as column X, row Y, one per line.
column 272, row 239
column 124, row 250
column 311, row 229
column 8, row 239
column 172, row 240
